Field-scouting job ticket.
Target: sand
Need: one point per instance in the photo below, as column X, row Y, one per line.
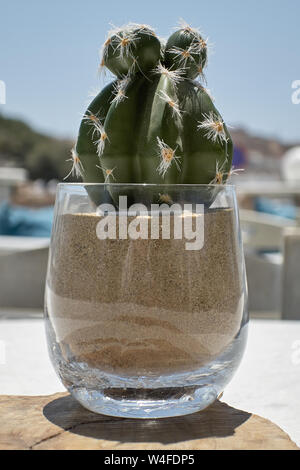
column 144, row 306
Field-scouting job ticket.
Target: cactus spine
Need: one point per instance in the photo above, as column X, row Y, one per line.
column 154, row 123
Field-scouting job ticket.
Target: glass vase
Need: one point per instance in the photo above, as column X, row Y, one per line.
column 146, row 297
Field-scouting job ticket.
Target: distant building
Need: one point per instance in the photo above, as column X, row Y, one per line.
column 10, row 177
column 291, row 165
column 239, row 156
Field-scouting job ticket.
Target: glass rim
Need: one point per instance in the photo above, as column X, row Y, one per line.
column 152, row 185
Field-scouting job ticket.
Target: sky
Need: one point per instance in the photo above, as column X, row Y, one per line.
column 49, row 55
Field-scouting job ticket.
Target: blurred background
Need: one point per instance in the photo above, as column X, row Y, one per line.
column 49, row 70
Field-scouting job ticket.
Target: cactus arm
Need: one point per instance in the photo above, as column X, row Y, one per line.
column 86, row 147
column 137, row 49
column 204, row 156
column 133, row 146
column 186, row 50
column 122, row 126
column 158, row 123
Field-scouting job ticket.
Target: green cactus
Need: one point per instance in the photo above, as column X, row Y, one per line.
column 154, row 123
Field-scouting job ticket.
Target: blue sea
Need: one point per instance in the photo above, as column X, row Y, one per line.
column 25, row 221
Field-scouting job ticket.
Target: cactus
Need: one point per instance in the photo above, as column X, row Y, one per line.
column 155, row 123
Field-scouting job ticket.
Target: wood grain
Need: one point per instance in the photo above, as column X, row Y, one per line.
column 59, row 422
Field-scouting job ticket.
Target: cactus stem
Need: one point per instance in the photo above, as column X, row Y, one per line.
column 98, row 128
column 175, row 76
column 167, row 156
column 132, row 69
column 163, row 41
column 207, row 91
column 142, row 29
column 126, row 42
column 101, row 142
column 187, row 29
column 107, row 42
column 103, row 56
column 201, row 75
column 108, row 172
column 183, row 55
column 119, row 90
column 220, row 174
column 94, row 121
column 199, row 45
column 113, row 30
column 119, row 96
column 155, row 118
column 172, row 103
column 105, row 48
column 214, row 126
column 93, row 92
column 77, row 167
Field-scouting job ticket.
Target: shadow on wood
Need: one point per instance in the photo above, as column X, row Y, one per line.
column 219, row 420
column 58, row 422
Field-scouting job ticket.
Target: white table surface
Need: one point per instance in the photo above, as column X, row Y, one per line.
column 267, row 382
column 13, row 244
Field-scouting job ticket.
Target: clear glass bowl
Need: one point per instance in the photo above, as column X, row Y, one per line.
column 145, row 319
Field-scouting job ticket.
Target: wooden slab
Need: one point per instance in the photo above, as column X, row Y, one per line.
column 59, row 422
